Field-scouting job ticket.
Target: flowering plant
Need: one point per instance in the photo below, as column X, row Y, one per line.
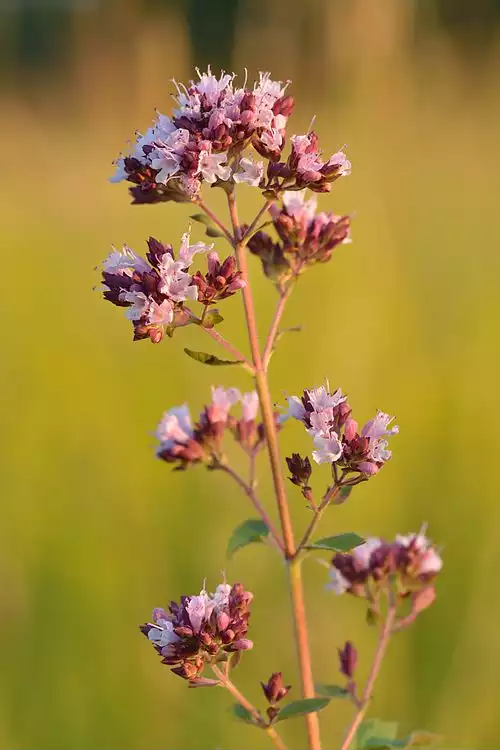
column 209, row 140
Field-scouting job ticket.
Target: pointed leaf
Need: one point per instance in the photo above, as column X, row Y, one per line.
column 422, row 739
column 243, row 714
column 202, row 219
column 331, row 691
column 301, row 708
column 343, row 495
column 339, row 543
column 376, row 734
column 210, row 359
column 211, row 319
column 252, row 530
column 212, row 231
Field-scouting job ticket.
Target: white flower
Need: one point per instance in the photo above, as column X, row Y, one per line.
column 329, row 449
column 221, row 596
column 124, row 262
column 378, row 426
column 250, row 403
column 298, row 207
column 272, row 139
column 362, row 554
column 167, row 156
column 251, row 172
column 320, row 398
column 176, row 283
column 320, row 423
column 160, row 314
column 430, row 563
column 175, row 426
column 211, row 167
column 338, row 583
column 211, row 87
column 187, row 251
column 140, row 304
column 341, row 161
column 296, row 410
column 379, row 452
column 162, row 633
column 222, row 401
column 199, row 610
column 120, row 172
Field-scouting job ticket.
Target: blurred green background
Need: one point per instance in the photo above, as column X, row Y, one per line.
column 95, row 531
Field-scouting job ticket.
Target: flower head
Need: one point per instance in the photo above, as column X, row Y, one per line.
column 201, row 629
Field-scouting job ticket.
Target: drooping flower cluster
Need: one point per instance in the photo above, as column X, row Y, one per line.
column 409, row 564
column 201, row 630
column 306, row 237
column 185, row 444
column 155, row 290
column 204, row 140
column 327, row 418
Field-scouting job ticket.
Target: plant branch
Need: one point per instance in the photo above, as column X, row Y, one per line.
column 385, row 634
column 250, row 492
column 254, row 223
column 216, row 336
column 231, row 687
column 273, row 331
column 318, row 514
column 208, row 211
column 268, row 418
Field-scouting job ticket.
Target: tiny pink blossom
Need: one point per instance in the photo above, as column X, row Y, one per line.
column 187, row 251
column 362, row 554
column 328, row 449
column 250, row 403
column 250, row 172
column 175, row 283
column 211, row 167
column 222, row 400
column 350, row 429
column 175, row 426
column 378, row 426
column 338, row 583
column 298, row 207
column 125, row 262
column 320, row 398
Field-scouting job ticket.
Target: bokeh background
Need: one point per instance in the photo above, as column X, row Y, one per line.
column 94, row 531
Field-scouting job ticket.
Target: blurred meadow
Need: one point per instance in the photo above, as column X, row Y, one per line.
column 94, row 530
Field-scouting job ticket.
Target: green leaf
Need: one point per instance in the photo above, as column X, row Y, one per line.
column 211, row 319
column 339, row 543
column 343, row 495
column 301, row 708
column 211, row 230
column 331, row 691
column 377, row 734
column 252, row 530
column 243, row 714
column 210, row 359
column 202, row 219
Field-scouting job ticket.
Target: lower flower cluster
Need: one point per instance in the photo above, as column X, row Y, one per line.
column 404, row 568
column 201, row 630
column 185, row 444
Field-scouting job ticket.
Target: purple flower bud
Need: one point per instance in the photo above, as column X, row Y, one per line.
column 348, row 657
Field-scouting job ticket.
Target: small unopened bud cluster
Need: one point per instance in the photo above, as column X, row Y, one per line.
column 200, row 630
column 300, row 470
column 222, row 280
column 327, row 418
column 185, row 444
column 275, row 690
column 155, row 289
column 403, row 568
column 305, row 237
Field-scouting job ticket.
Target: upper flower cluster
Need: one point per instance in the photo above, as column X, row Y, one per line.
column 306, row 237
column 203, row 140
column 327, row 417
column 202, row 629
column 183, row 443
column 412, row 559
column 155, row 290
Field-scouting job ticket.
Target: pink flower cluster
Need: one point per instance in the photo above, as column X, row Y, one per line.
column 200, row 630
column 306, row 237
column 155, row 290
column 185, row 444
column 327, row 418
column 412, row 559
column 203, row 142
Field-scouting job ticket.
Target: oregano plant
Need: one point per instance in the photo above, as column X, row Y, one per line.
column 221, row 135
